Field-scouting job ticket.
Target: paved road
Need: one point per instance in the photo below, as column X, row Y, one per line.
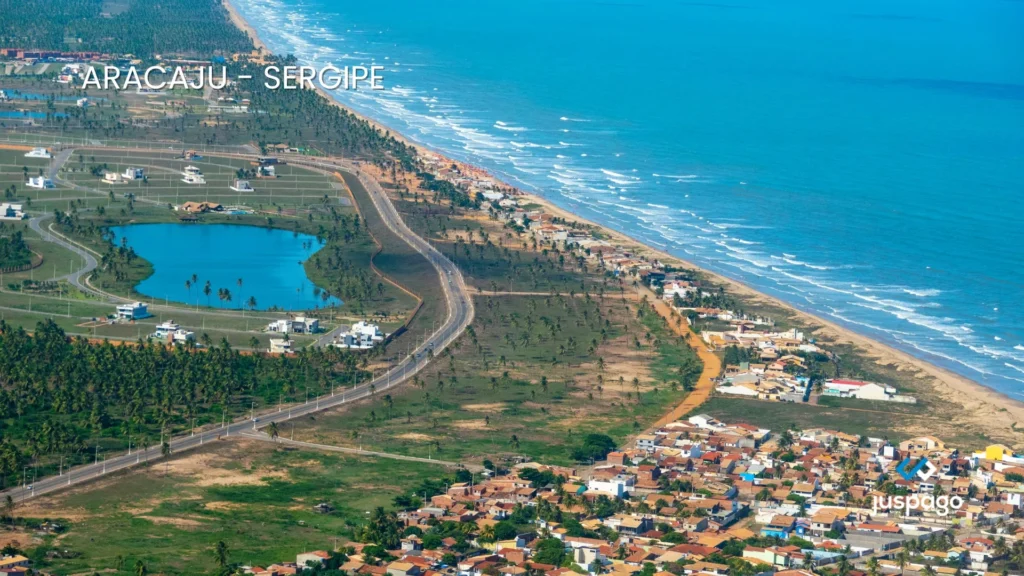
column 75, row 278
column 460, row 314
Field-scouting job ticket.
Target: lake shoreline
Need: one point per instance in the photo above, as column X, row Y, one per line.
column 988, row 409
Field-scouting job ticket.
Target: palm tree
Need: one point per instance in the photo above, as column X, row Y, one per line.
column 220, row 552
column 873, row 567
column 207, row 290
column 140, row 568
column 902, row 557
column 514, row 442
column 165, row 451
column 252, row 302
column 272, row 430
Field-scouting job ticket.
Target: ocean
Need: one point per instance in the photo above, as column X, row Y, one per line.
column 861, row 160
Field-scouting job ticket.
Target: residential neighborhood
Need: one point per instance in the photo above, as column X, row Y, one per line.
column 705, row 497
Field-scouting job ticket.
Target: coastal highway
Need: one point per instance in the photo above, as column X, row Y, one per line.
column 460, row 314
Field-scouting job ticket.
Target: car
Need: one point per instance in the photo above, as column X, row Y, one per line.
column 29, row 487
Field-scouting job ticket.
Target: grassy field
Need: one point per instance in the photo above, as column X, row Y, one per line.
column 530, row 369
column 254, row 496
column 292, row 187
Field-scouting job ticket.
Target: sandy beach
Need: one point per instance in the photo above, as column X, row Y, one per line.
column 968, row 405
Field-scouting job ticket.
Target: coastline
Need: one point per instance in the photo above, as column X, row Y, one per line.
column 977, row 405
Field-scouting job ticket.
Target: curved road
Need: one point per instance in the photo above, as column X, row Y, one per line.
column 460, row 314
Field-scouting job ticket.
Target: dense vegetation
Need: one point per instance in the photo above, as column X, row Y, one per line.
column 58, row 395
column 139, row 27
column 14, row 251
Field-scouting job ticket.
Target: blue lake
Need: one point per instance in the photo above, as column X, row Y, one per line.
column 268, row 261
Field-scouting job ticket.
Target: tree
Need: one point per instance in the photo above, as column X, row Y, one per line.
column 140, row 568
column 272, row 430
column 220, row 552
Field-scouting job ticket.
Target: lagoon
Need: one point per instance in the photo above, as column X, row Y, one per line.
column 269, row 262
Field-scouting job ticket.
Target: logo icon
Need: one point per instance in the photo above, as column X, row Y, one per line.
column 923, row 469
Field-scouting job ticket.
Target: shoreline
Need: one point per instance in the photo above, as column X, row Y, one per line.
column 993, row 411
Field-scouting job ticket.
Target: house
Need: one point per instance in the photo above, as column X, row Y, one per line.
column 242, row 186
column 200, row 207
column 362, row 336
column 166, row 329
column 193, row 175
column 133, row 174
column 10, row 211
column 39, row 182
column 403, row 569
column 133, row 311
column 38, row 153
column 298, row 325
column 317, row 557
column 111, row 177
column 617, row 486
column 842, row 388
column 280, row 346
column 770, row 556
column 181, row 336
column 825, row 521
column 781, row 526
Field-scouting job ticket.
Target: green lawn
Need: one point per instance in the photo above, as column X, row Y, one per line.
column 255, row 497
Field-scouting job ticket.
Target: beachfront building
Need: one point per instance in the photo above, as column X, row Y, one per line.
column 242, row 186
column 298, row 325
column 40, row 182
column 133, row 311
column 361, row 336
column 841, row 388
column 10, row 211
column 38, row 153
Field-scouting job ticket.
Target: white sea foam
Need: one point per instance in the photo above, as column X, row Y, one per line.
column 923, row 293
column 503, row 126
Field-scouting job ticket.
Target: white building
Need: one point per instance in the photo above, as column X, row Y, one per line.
column 166, row 329
column 242, row 186
column 864, row 391
column 194, row 179
column 40, row 182
column 132, row 311
column 280, row 346
column 298, row 325
column 10, row 211
column 362, row 336
column 133, row 174
column 182, row 336
column 111, row 177
column 38, row 153
column 616, row 486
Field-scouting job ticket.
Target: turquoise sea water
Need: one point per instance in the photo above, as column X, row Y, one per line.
column 861, row 160
column 268, row 261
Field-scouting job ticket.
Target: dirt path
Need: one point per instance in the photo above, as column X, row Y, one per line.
column 712, row 366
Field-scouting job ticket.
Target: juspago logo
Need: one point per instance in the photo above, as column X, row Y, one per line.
column 923, row 469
